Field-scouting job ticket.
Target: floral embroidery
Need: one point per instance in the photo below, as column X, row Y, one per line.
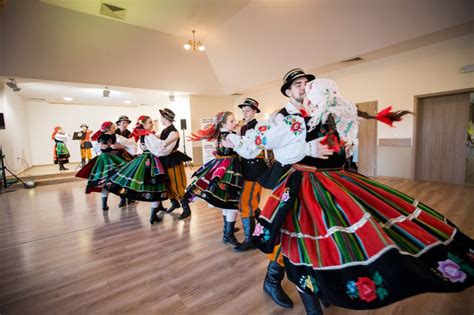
column 295, row 125
column 147, row 163
column 258, row 141
column 367, row 289
column 222, row 186
column 308, row 282
column 147, row 196
column 263, row 128
column 258, row 230
column 266, row 234
column 451, row 271
column 122, row 191
column 286, row 195
column 352, row 290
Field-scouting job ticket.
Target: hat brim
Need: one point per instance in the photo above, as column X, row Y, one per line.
column 118, row 121
column 243, row 105
column 162, row 113
column 287, row 85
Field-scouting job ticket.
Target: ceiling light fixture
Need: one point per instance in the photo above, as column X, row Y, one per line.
column 106, row 92
column 127, row 102
column 67, row 98
column 13, row 85
column 193, row 45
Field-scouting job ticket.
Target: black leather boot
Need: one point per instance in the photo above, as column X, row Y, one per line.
column 311, row 303
column 272, row 285
column 62, row 168
column 105, row 207
column 248, row 224
column 174, row 205
column 229, row 236
column 123, row 202
column 131, row 202
column 156, row 215
column 83, row 162
column 186, row 209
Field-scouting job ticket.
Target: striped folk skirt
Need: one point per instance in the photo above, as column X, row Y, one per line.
column 99, row 170
column 219, row 182
column 360, row 244
column 143, row 178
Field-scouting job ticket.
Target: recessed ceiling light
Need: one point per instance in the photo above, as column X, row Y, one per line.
column 127, row 102
column 67, row 98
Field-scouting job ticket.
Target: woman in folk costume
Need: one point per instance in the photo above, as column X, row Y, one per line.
column 60, row 152
column 86, row 145
column 144, row 178
column 124, row 133
column 220, row 181
column 348, row 239
column 252, row 169
column 173, row 162
column 102, row 167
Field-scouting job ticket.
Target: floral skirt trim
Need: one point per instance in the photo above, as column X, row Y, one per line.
column 143, row 178
column 338, row 228
column 219, row 182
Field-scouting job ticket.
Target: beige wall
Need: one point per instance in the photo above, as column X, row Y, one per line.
column 395, row 81
column 206, row 107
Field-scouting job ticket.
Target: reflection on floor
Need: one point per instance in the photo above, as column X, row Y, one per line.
column 60, row 253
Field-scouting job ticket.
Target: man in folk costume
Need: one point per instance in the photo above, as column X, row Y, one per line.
column 174, row 164
column 122, row 130
column 252, row 169
column 86, row 145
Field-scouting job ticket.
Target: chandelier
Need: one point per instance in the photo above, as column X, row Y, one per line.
column 192, row 44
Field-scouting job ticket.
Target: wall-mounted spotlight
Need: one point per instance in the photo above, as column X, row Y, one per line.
column 106, row 92
column 13, row 85
column 171, row 97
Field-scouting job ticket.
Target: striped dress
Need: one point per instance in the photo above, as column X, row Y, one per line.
column 219, row 181
column 354, row 242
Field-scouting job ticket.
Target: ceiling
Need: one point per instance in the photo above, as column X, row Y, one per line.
column 86, row 94
column 175, row 17
column 249, row 44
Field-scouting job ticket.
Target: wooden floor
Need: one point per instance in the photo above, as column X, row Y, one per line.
column 60, row 254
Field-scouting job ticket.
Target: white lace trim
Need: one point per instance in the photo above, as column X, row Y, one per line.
column 402, row 218
column 376, row 256
column 334, row 229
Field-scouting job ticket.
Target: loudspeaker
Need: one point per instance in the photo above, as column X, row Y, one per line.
column 2, row 121
column 183, row 124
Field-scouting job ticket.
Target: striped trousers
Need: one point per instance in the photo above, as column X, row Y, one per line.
column 178, row 181
column 250, row 198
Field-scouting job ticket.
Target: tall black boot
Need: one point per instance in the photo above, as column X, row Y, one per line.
column 311, row 303
column 83, row 162
column 155, row 216
column 229, row 236
column 186, row 209
column 174, row 205
column 248, row 224
column 123, row 202
column 272, row 285
column 105, row 207
column 61, row 167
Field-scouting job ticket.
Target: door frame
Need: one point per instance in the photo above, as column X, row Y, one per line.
column 416, row 109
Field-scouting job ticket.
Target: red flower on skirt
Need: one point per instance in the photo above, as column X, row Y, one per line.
column 366, row 289
column 258, row 141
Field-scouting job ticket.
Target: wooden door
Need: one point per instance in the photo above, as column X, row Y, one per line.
column 441, row 131
column 368, row 140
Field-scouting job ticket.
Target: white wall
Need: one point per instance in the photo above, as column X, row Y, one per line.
column 395, row 81
column 42, row 117
column 14, row 139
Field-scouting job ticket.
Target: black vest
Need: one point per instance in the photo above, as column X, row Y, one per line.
column 126, row 133
column 166, row 132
